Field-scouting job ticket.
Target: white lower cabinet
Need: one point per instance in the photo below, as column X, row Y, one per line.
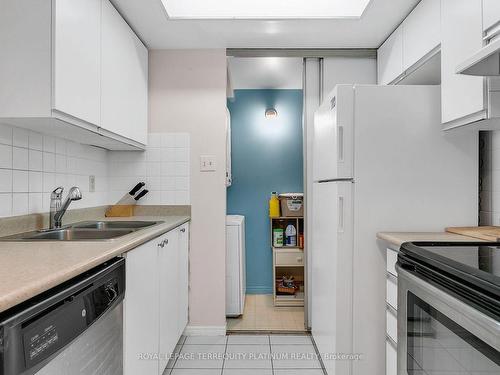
column 391, row 357
column 156, row 297
column 168, row 300
column 391, row 301
column 183, row 261
column 141, row 309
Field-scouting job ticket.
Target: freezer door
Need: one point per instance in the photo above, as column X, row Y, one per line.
column 331, row 255
column 333, row 136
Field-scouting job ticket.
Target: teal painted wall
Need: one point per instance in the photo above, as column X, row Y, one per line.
column 266, row 157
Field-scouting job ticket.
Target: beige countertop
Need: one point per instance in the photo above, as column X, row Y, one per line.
column 398, row 238
column 30, row 268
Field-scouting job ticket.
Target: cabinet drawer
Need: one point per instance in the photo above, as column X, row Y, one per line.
column 392, row 291
column 392, row 258
column 391, row 358
column 289, row 258
column 391, row 323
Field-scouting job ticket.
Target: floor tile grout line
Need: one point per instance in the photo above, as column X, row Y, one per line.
column 177, row 357
column 271, row 351
column 224, row 359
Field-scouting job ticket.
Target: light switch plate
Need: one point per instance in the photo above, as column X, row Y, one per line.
column 207, row 163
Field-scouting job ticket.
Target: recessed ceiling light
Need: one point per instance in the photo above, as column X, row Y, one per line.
column 264, row 9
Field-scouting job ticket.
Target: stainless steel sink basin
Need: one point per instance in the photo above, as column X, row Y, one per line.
column 69, row 234
column 84, row 231
column 114, row 224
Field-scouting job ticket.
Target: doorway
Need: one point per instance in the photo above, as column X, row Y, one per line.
column 265, row 107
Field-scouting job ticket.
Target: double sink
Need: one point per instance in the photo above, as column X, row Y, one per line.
column 84, row 231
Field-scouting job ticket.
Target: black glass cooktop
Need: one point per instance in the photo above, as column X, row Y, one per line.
column 473, row 262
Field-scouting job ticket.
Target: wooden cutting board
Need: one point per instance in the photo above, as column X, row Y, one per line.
column 484, row 233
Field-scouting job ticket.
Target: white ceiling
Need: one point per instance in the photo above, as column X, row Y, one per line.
column 265, row 73
column 150, row 21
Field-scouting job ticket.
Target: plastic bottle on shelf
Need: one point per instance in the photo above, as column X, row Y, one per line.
column 291, row 235
column 274, row 205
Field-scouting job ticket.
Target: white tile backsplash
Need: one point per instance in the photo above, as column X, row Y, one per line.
column 19, row 204
column 489, row 195
column 5, row 135
column 35, row 182
column 20, row 181
column 20, row 158
column 37, row 164
column 35, row 141
column 5, row 156
column 32, row 165
column 5, row 180
column 20, row 137
column 5, row 204
column 35, row 160
column 164, row 166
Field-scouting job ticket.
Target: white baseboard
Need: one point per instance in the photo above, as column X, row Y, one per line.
column 205, row 330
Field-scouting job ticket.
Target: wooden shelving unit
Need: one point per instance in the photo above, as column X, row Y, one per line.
column 288, row 261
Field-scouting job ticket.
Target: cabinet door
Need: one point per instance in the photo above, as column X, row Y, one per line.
column 168, row 288
column 77, row 58
column 390, row 58
column 462, row 97
column 141, row 309
column 124, row 86
column 183, row 298
column 491, row 13
column 421, row 31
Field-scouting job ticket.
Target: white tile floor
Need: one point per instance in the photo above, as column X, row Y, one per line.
column 245, row 355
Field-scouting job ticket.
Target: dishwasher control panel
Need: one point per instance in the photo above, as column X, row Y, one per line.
column 35, row 332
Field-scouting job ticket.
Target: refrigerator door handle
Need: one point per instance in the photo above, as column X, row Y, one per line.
column 341, row 214
column 340, row 147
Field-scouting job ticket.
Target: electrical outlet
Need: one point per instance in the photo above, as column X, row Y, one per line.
column 91, row 184
column 207, row 163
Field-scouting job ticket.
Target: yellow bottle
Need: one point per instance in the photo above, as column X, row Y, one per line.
column 274, row 205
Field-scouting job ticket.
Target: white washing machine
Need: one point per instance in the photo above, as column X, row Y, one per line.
column 235, row 265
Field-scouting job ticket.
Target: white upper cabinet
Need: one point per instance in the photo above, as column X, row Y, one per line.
column 462, row 97
column 491, row 14
column 421, row 32
column 74, row 69
column 77, row 58
column 124, row 106
column 413, row 44
column 390, row 58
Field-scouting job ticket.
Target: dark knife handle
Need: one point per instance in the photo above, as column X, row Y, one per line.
column 141, row 194
column 136, row 188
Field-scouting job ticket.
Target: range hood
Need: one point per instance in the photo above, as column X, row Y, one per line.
column 485, row 62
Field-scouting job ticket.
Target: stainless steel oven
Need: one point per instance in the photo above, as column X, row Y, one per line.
column 448, row 310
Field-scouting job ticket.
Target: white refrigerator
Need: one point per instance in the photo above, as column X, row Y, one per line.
column 380, row 163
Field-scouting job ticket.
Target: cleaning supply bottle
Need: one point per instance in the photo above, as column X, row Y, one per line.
column 291, row 235
column 274, row 205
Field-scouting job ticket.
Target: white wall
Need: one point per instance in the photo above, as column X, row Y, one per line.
column 187, row 93
column 32, row 165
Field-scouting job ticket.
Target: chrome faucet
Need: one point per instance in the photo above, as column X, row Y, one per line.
column 58, row 207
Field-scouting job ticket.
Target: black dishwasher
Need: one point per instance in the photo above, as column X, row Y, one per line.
column 34, row 332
